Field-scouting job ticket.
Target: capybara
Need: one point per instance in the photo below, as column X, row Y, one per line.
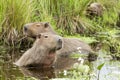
column 70, row 45
column 42, row 52
column 94, row 9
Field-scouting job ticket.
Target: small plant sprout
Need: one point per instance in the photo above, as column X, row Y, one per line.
column 81, row 60
column 79, row 49
column 65, row 72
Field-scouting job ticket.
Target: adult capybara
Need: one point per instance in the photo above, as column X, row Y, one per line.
column 70, row 45
column 94, row 9
column 43, row 51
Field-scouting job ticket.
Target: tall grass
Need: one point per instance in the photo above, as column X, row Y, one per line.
column 14, row 14
column 66, row 15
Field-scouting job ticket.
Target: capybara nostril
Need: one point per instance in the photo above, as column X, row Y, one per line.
column 25, row 28
column 60, row 40
column 59, row 44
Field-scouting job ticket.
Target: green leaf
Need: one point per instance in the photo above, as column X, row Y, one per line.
column 100, row 66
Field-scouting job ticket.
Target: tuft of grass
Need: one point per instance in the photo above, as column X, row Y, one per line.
column 65, row 14
column 14, row 14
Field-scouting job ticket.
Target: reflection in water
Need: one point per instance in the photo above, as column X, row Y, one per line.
column 39, row 73
column 45, row 73
column 8, row 71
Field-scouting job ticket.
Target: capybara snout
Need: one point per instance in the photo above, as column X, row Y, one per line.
column 55, row 40
column 59, row 44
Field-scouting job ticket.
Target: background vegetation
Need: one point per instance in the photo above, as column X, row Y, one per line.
column 67, row 17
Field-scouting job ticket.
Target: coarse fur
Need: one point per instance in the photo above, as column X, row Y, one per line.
column 94, row 9
column 43, row 51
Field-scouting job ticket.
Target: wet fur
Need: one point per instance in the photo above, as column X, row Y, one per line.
column 41, row 54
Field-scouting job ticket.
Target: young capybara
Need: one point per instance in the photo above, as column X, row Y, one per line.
column 94, row 9
column 43, row 51
column 70, row 45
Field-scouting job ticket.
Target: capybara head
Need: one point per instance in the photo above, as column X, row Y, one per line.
column 49, row 41
column 43, row 51
column 94, row 9
column 33, row 29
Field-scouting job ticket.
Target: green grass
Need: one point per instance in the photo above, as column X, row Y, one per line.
column 14, row 14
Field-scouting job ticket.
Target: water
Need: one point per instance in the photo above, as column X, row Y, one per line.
column 110, row 70
column 8, row 71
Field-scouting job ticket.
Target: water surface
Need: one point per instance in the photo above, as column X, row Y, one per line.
column 8, row 71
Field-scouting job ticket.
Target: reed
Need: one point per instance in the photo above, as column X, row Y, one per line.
column 14, row 14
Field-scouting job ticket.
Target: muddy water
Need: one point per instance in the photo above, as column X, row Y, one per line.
column 8, row 71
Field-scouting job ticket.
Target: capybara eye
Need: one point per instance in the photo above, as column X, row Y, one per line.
column 38, row 25
column 46, row 36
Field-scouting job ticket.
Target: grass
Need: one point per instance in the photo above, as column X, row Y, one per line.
column 14, row 15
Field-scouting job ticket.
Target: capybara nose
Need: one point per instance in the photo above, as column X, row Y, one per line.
column 59, row 45
column 25, row 28
column 60, row 40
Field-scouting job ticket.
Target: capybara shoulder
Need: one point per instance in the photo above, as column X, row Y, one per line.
column 33, row 29
column 43, row 51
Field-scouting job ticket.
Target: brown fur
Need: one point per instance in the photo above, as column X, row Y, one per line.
column 43, row 51
column 35, row 28
column 70, row 45
column 94, row 9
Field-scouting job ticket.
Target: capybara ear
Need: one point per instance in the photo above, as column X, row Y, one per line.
column 46, row 24
column 39, row 36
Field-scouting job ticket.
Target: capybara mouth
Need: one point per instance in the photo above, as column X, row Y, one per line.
column 59, row 47
column 34, row 37
column 31, row 36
